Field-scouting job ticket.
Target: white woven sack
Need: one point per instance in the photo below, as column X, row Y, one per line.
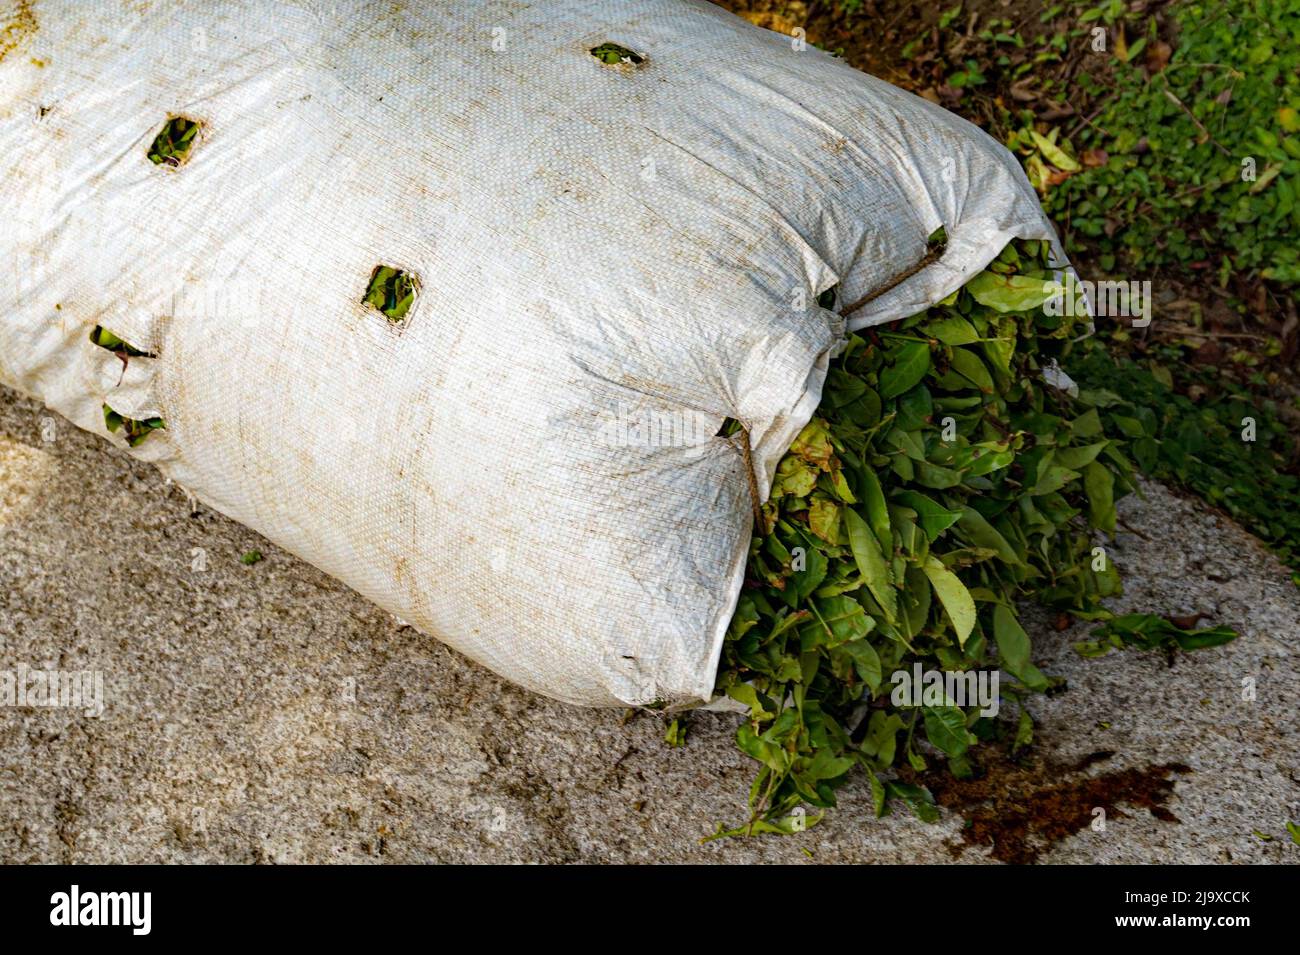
column 612, row 258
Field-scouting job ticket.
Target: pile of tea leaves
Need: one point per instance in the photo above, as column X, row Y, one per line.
column 941, row 481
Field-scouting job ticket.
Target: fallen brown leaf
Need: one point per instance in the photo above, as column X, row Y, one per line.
column 1211, row 353
column 1021, row 92
column 1095, row 157
column 1158, row 53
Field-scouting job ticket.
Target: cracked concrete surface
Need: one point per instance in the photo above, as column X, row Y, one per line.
column 267, row 714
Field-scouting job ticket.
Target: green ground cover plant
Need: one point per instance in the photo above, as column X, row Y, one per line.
column 1229, row 448
column 1193, row 155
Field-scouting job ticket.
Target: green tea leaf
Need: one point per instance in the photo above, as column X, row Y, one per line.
column 794, row 477
column 841, row 619
column 954, row 596
column 952, row 330
column 866, row 663
column 918, row 799
column 1053, row 478
column 813, row 445
column 945, row 728
column 969, row 366
column 934, row 518
column 1010, row 293
column 871, row 563
column 1054, row 153
column 1013, row 647
column 873, row 498
column 744, row 693
column 910, row 365
column 1076, row 459
column 1024, row 731
column 824, row 518
column 1099, row 485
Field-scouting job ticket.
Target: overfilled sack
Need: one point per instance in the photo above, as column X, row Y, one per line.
column 453, row 300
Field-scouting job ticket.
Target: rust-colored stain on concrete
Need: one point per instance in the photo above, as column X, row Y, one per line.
column 1019, row 810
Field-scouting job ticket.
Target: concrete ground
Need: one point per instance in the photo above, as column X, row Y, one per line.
column 265, row 713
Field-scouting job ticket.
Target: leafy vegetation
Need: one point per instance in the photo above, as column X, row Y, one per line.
column 1163, row 139
column 135, row 430
column 107, row 340
column 1193, row 156
column 1201, row 446
column 612, row 54
column 941, row 482
column 1146, row 632
column 172, row 145
column 391, row 291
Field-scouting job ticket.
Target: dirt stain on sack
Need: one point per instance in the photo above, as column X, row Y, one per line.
column 19, row 26
column 1020, row 810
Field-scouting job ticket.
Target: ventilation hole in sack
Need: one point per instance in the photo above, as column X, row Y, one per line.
column 827, row 299
column 135, row 430
column 392, row 292
column 937, row 241
column 611, row 54
column 729, row 427
column 105, row 339
column 171, row 147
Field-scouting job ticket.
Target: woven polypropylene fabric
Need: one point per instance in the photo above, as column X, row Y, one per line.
column 612, row 258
